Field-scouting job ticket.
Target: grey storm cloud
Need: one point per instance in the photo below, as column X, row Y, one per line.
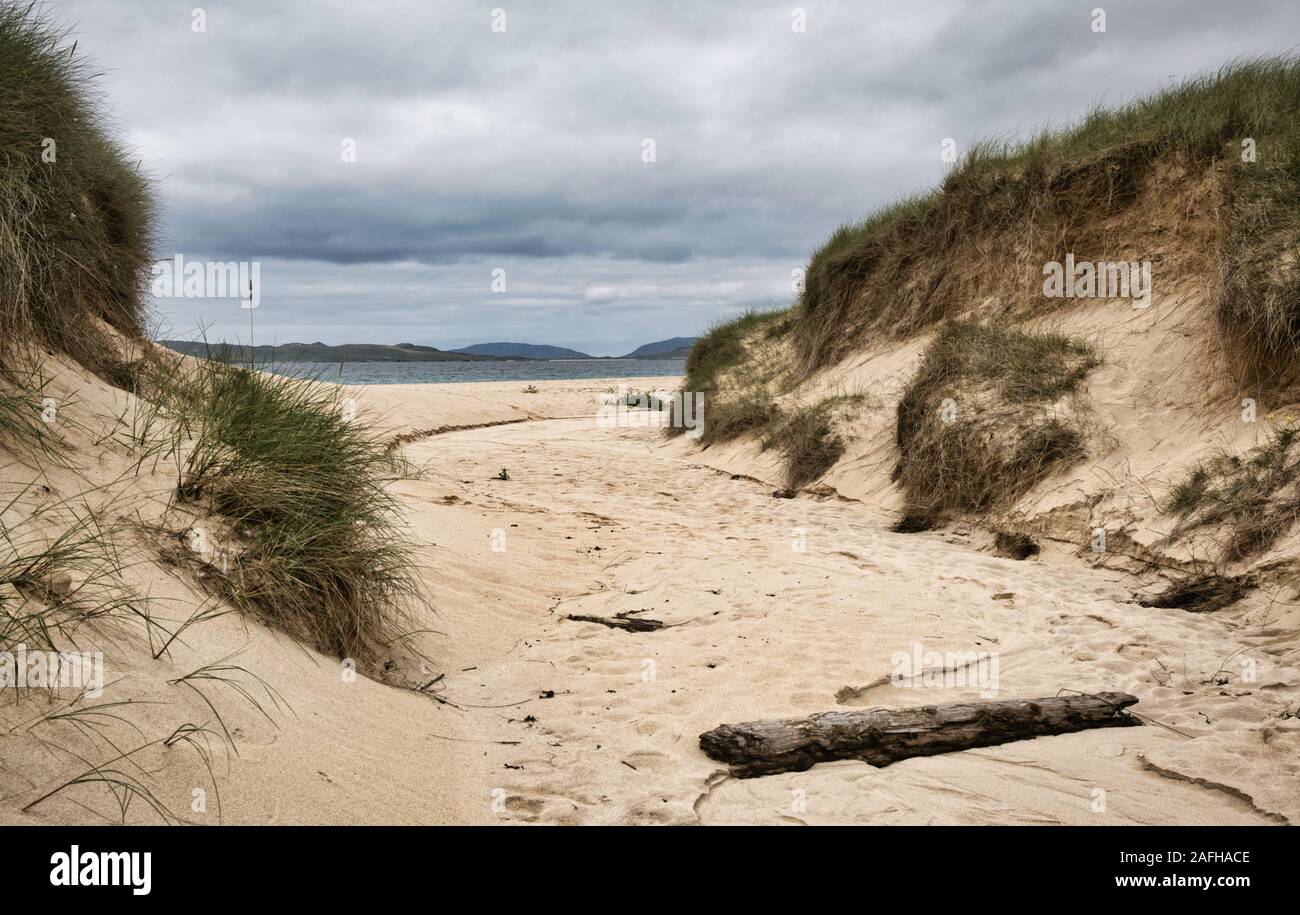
column 522, row 149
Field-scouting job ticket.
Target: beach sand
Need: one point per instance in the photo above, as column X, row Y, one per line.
column 772, row 606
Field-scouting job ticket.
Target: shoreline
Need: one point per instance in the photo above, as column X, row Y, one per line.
column 394, row 373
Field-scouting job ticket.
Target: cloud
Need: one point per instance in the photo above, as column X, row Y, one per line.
column 522, row 150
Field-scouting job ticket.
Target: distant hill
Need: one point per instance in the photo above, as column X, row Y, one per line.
column 319, row 352
column 521, row 351
column 672, row 348
column 676, row 347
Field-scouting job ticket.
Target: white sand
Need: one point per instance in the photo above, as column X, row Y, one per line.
column 544, row 720
column 614, row 520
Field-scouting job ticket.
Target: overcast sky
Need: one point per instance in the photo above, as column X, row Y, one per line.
column 523, row 150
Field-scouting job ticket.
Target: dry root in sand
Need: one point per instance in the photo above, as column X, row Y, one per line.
column 626, row 620
column 1201, row 594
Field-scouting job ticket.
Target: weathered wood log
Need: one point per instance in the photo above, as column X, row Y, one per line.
column 880, row 736
column 624, row 620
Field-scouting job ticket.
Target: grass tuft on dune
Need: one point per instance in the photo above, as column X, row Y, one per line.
column 989, row 414
column 302, row 483
column 76, row 216
column 1253, row 498
column 808, row 438
column 722, row 347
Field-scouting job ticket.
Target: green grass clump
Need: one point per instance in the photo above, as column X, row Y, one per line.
column 305, row 488
column 75, row 232
column 807, row 438
column 723, row 347
column 1021, row 204
column 744, row 405
column 1022, row 366
column 988, row 415
column 1254, row 498
column 738, row 413
column 1189, row 494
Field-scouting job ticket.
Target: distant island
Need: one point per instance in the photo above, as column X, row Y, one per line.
column 522, row 351
column 320, row 352
column 672, row 348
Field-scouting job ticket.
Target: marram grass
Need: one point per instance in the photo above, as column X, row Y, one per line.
column 76, row 215
column 303, row 485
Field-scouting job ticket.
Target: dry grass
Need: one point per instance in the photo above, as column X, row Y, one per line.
column 60, row 575
column 23, row 429
column 808, row 438
column 988, row 415
column 75, row 232
column 729, row 416
column 1253, row 498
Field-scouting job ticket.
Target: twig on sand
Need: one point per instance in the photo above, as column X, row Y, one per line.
column 506, row 743
column 625, row 620
column 845, row 693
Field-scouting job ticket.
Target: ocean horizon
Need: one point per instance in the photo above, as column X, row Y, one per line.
column 505, row 370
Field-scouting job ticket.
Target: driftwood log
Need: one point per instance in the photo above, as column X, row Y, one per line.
column 880, row 736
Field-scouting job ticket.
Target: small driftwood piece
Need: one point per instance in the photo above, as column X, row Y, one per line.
column 624, row 620
column 880, row 736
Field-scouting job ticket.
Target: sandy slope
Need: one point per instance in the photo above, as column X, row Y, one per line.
column 289, row 738
column 539, row 719
column 614, row 520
